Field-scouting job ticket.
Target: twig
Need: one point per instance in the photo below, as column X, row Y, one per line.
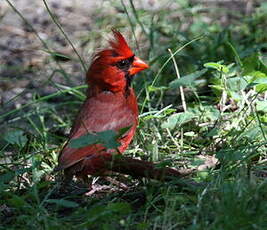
column 178, row 76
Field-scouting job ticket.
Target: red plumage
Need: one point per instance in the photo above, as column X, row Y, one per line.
column 110, row 105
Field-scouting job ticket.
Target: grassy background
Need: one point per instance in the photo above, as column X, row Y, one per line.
column 211, row 54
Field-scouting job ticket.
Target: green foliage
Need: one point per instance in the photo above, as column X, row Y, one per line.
column 178, row 119
column 188, row 80
column 108, row 138
column 16, row 137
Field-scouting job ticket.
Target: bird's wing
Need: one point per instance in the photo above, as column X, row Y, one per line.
column 106, row 111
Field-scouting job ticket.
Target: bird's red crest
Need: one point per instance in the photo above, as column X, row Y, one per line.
column 119, row 45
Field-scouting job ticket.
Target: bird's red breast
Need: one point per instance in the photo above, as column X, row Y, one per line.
column 110, row 105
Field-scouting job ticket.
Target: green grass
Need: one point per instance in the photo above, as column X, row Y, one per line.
column 223, row 79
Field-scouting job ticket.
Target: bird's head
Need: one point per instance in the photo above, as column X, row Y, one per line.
column 113, row 68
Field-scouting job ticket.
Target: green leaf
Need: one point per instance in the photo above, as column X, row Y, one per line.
column 188, row 80
column 213, row 132
column 219, row 67
column 252, row 133
column 155, row 88
column 123, row 131
column 230, row 155
column 261, row 106
column 259, row 80
column 83, row 141
column 63, row 203
column 236, row 83
column 4, row 178
column 108, row 138
column 16, row 137
column 253, row 63
column 177, row 119
column 259, row 77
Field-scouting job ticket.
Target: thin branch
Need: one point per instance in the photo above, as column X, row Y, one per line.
column 178, row 76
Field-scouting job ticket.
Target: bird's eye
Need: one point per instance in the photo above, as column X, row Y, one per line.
column 123, row 64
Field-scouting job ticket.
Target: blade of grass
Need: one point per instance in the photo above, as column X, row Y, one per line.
column 43, row 99
column 238, row 60
column 131, row 23
column 33, row 29
column 137, row 17
column 166, row 62
column 178, row 76
column 65, row 36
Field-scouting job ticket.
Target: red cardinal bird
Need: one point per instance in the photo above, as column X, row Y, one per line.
column 110, row 105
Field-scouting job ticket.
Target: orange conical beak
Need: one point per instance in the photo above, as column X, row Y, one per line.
column 137, row 66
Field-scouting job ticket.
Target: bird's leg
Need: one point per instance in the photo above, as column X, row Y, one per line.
column 67, row 178
column 116, row 182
